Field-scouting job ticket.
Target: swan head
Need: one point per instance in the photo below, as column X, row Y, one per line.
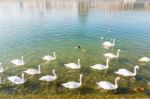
column 81, row 75
column 54, row 52
column 79, row 60
column 119, row 50
column 137, row 67
column 0, row 64
column 108, row 60
column 53, row 70
column 118, row 78
column 114, row 40
column 116, row 85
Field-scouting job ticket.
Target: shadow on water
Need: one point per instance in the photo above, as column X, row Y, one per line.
column 32, row 86
column 122, row 90
column 7, row 89
column 85, row 70
column 124, row 60
column 147, row 92
column 86, row 90
column 141, row 79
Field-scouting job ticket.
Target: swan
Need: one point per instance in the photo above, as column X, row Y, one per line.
column 101, row 37
column 107, row 85
column 33, row 71
column 72, row 84
column 125, row 72
column 144, row 59
column 49, row 58
column 73, row 65
column 17, row 80
column 18, row 62
column 1, row 68
column 49, row 77
column 101, row 66
column 109, row 44
column 111, row 55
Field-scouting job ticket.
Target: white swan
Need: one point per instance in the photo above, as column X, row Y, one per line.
column 144, row 59
column 108, row 44
column 125, row 72
column 111, row 55
column 33, row 71
column 18, row 62
column 16, row 79
column 72, row 84
column 1, row 68
column 107, row 85
column 73, row 65
column 49, row 77
column 49, row 58
column 101, row 66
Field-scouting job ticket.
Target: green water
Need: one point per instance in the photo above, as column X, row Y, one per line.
column 34, row 29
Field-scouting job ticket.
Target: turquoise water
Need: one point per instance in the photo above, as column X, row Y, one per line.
column 34, row 29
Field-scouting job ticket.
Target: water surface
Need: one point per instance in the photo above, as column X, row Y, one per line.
column 36, row 28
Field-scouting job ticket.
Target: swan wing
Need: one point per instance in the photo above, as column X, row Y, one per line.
column 71, row 85
column 16, row 80
column 124, row 72
column 106, row 85
column 12, row 78
column 99, row 66
column 110, row 55
column 72, row 65
column 107, row 43
column 17, row 62
column 48, row 57
column 32, row 71
column 144, row 59
column 47, row 78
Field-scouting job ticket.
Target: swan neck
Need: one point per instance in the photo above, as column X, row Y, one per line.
column 54, row 54
column 79, row 62
column 118, row 53
column 54, row 74
column 80, row 79
column 39, row 68
column 107, row 62
column 135, row 70
column 114, row 42
column 22, row 58
column 23, row 76
column 116, row 83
